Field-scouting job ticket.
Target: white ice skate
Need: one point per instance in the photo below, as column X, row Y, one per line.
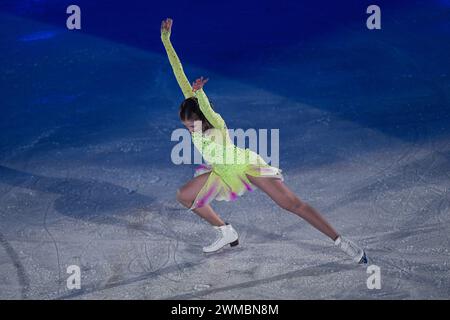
column 226, row 235
column 352, row 249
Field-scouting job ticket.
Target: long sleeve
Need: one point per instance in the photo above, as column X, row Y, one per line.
column 177, row 68
column 213, row 117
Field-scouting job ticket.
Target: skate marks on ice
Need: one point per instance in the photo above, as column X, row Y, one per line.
column 90, row 201
column 94, row 288
column 430, row 171
column 134, row 219
column 22, row 276
column 311, row 271
column 413, row 191
column 403, row 277
column 81, row 199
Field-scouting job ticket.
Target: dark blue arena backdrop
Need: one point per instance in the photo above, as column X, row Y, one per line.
column 86, row 176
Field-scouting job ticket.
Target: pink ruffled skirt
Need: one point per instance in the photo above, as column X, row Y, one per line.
column 228, row 182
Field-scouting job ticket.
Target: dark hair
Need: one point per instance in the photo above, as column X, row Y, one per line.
column 190, row 110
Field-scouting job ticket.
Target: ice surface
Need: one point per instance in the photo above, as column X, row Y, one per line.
column 86, row 177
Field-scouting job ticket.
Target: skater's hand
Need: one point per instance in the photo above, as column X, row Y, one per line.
column 166, row 28
column 198, row 84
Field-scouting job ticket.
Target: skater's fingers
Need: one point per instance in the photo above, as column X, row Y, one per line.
column 167, row 24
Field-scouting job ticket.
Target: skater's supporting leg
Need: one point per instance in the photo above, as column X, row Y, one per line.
column 187, row 194
column 287, row 200
column 207, row 213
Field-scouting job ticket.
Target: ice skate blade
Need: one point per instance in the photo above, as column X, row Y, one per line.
column 363, row 259
column 234, row 243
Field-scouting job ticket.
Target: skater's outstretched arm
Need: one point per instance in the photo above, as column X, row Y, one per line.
column 175, row 62
column 213, row 117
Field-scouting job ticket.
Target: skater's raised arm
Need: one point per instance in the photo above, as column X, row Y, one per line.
column 213, row 117
column 175, row 62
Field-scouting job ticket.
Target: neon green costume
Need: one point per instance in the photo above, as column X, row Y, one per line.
column 228, row 165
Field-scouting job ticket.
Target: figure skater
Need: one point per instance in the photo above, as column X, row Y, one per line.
column 226, row 180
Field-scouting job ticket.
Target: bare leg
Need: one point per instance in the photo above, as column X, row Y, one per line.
column 287, row 200
column 187, row 194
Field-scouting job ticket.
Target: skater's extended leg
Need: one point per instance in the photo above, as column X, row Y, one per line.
column 287, row 200
column 187, row 194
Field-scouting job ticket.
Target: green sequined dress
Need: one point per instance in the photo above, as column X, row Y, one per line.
column 227, row 164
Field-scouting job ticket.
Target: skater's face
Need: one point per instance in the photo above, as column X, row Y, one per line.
column 193, row 125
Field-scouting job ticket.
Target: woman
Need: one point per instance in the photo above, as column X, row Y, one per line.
column 226, row 180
